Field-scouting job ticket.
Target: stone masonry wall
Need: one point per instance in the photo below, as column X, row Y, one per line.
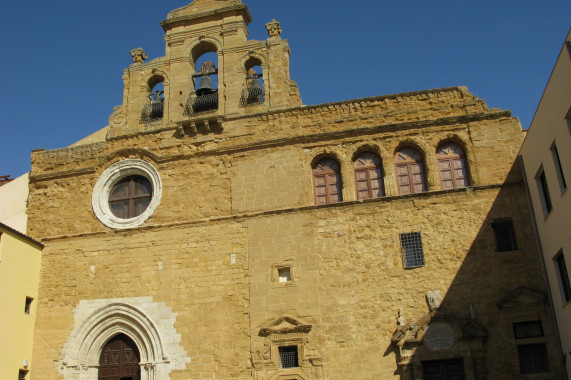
column 238, row 205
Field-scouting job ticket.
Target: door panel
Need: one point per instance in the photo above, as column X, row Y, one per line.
column 119, row 360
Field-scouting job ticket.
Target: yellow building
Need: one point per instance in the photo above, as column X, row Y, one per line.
column 546, row 155
column 227, row 231
column 20, row 258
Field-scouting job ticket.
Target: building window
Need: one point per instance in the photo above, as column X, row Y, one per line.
column 130, row 197
column 505, row 235
column 443, row 369
column 544, row 192
column 368, row 176
column 558, row 168
column 288, row 357
column 327, row 181
column 22, row 374
column 452, row 166
column 532, row 356
column 409, row 171
column 412, row 251
column 563, row 274
column 284, row 274
column 28, row 306
column 127, row 193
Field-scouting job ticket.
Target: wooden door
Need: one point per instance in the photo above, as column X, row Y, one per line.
column 119, row 360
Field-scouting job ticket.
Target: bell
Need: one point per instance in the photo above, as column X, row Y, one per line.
column 205, row 86
column 255, row 84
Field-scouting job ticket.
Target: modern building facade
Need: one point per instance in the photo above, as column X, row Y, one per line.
column 546, row 157
column 218, row 228
column 20, row 258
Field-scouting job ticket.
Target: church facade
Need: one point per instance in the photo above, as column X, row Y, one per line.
column 219, row 229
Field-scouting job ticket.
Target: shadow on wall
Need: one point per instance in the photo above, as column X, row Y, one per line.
column 494, row 321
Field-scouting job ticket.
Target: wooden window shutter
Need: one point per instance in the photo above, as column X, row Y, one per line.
column 451, row 166
column 327, row 181
column 409, row 171
column 368, row 176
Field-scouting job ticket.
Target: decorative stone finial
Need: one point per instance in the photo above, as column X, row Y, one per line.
column 273, row 28
column 401, row 320
column 139, row 55
column 433, row 299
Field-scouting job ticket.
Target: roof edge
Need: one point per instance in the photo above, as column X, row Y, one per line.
column 21, row 235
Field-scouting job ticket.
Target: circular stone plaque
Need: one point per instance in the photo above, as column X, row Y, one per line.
column 439, row 336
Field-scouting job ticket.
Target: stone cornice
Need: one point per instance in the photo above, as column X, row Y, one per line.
column 246, row 216
column 174, row 21
column 265, row 144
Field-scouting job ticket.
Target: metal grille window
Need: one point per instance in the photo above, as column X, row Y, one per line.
column 412, row 251
column 288, row 357
column 533, row 358
column 505, row 235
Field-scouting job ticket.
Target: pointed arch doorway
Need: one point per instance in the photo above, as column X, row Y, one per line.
column 119, row 359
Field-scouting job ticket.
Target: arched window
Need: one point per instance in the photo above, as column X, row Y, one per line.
column 327, row 181
column 409, row 171
column 451, row 166
column 254, row 92
column 368, row 176
column 153, row 110
column 119, row 359
column 204, row 97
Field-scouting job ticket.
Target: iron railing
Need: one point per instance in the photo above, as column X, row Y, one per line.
column 152, row 111
column 251, row 96
column 201, row 104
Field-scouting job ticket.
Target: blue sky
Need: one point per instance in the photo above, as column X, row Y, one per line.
column 63, row 60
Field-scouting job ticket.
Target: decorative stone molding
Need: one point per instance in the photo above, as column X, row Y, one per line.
column 274, row 29
column 112, row 175
column 437, row 335
column 433, row 299
column 286, row 324
column 286, row 330
column 149, row 324
column 139, row 55
column 118, row 118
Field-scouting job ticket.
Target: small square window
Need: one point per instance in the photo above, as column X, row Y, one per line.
column 284, row 274
column 22, row 374
column 288, row 357
column 412, row 251
column 505, row 235
column 28, row 306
